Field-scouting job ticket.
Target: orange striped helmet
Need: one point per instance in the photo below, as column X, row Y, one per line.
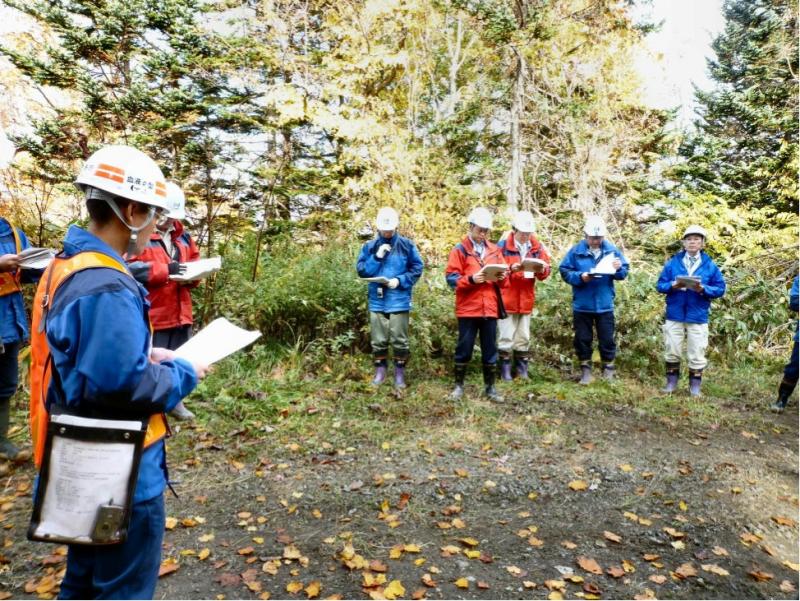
column 125, row 172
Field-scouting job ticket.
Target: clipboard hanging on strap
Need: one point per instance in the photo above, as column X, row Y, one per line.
column 87, row 480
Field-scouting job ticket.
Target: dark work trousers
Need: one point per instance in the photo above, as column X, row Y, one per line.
column 9, row 371
column 468, row 328
column 172, row 338
column 790, row 372
column 125, row 571
column 585, row 324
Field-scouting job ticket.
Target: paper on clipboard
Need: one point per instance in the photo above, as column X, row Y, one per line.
column 35, row 258
column 378, row 280
column 82, row 476
column 530, row 263
column 216, row 341
column 605, row 266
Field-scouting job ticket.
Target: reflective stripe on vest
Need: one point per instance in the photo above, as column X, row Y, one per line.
column 10, row 280
column 57, row 273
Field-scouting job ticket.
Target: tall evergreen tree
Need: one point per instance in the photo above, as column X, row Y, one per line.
column 745, row 149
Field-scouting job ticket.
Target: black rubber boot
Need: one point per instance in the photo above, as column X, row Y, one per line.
column 784, row 392
column 489, row 391
column 459, row 373
column 521, row 365
column 7, row 449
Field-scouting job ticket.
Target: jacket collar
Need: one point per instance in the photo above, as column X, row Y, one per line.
column 511, row 243
column 80, row 240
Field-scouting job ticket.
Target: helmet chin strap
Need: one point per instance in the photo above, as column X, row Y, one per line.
column 111, row 200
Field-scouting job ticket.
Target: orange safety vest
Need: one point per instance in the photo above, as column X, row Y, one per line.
column 10, row 280
column 56, row 274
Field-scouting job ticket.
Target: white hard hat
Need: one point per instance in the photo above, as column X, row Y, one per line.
column 125, row 172
column 523, row 222
column 387, row 219
column 481, row 217
column 695, row 229
column 595, row 226
column 176, row 201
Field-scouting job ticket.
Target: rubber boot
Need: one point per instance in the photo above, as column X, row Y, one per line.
column 673, row 373
column 521, row 366
column 399, row 374
column 459, row 373
column 489, row 390
column 505, row 370
column 7, row 449
column 695, row 380
column 586, row 373
column 181, row 413
column 380, row 372
column 784, row 392
column 609, row 372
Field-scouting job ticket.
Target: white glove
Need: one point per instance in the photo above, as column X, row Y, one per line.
column 385, row 248
column 393, row 283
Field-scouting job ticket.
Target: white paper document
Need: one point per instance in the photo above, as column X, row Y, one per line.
column 530, row 264
column 605, row 266
column 197, row 270
column 216, row 341
column 82, row 477
column 378, row 280
column 35, row 258
column 493, row 270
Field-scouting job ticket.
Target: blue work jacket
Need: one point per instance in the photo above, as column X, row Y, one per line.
column 402, row 262
column 596, row 295
column 13, row 318
column 686, row 305
column 99, row 338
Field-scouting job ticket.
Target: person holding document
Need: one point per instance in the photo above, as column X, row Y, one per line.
column 591, row 267
column 92, row 341
column 13, row 326
column 169, row 249
column 690, row 280
column 395, row 262
column 519, row 296
column 790, row 372
column 479, row 300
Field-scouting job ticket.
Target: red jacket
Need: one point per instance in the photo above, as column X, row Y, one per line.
column 473, row 300
column 520, row 295
column 170, row 301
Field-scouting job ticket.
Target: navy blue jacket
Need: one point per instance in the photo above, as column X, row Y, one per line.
column 686, row 305
column 596, row 295
column 794, row 301
column 402, row 262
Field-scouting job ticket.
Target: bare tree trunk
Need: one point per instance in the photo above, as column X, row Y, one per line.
column 515, row 181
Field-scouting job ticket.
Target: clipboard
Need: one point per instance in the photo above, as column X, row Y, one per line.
column 87, row 480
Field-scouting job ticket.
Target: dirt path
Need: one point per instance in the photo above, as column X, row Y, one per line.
column 666, row 512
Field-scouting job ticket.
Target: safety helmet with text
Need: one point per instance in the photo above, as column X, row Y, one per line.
column 481, row 217
column 698, row 230
column 387, row 219
column 595, row 226
column 523, row 222
column 125, row 172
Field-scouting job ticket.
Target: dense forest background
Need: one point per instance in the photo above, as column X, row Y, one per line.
column 289, row 122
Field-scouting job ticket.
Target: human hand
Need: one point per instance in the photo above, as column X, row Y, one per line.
column 698, row 287
column 585, row 277
column 616, row 264
column 516, row 267
column 676, row 285
column 479, row 278
column 383, row 250
column 158, row 354
column 501, row 276
column 393, row 283
column 201, row 369
column 9, row 262
column 176, row 268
